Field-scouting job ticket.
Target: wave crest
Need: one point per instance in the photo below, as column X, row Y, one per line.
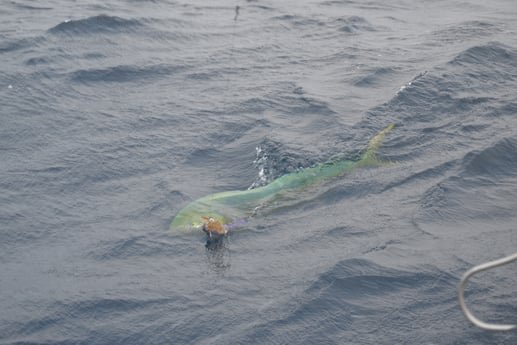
column 96, row 24
column 122, row 73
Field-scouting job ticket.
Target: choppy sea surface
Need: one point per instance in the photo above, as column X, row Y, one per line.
column 115, row 114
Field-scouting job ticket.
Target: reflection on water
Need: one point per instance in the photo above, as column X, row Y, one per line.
column 218, row 254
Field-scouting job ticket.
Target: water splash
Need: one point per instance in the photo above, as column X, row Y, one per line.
column 408, row 84
column 262, row 162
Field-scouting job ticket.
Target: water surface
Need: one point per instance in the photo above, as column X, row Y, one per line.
column 115, row 115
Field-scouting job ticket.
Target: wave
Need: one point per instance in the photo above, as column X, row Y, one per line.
column 375, row 76
column 460, row 32
column 48, row 329
column 7, row 46
column 96, row 24
column 131, row 247
column 482, row 189
column 123, row 73
column 354, row 24
column 497, row 161
column 289, row 100
column 454, row 131
column 350, row 24
column 364, row 5
column 358, row 278
column 355, row 295
column 470, row 82
column 488, row 55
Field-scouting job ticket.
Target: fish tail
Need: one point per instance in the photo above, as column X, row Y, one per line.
column 370, row 156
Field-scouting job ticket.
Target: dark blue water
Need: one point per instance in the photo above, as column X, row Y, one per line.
column 114, row 115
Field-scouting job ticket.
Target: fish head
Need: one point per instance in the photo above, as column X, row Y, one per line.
column 198, row 217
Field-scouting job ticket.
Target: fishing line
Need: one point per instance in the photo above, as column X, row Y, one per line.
column 232, row 47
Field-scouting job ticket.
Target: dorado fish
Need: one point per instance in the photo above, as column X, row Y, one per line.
column 217, row 213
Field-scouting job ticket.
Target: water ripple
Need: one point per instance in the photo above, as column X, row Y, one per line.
column 97, row 24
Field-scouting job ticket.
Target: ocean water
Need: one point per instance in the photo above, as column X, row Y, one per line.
column 115, row 114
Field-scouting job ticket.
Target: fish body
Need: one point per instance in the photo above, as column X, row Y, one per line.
column 227, row 208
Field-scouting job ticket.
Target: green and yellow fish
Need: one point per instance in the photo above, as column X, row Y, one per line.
column 215, row 214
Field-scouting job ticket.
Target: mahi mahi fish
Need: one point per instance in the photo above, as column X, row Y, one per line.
column 215, row 214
